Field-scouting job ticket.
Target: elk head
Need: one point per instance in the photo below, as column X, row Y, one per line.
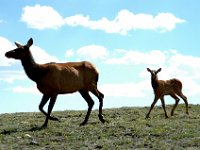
column 154, row 72
column 21, row 51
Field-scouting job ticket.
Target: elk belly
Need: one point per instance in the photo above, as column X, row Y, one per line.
column 70, row 84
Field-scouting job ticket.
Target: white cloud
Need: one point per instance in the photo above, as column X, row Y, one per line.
column 41, row 17
column 126, row 21
column 6, row 45
column 89, row 52
column 11, row 76
column 69, row 53
column 136, row 57
column 41, row 56
column 93, row 52
column 166, row 21
column 134, row 90
column 27, row 90
column 190, row 61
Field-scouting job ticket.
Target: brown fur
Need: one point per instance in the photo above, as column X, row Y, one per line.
column 60, row 78
column 172, row 87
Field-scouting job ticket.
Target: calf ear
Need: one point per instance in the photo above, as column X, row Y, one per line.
column 17, row 44
column 148, row 70
column 159, row 70
column 30, row 42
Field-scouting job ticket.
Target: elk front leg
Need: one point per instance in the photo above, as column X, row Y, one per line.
column 152, row 106
column 50, row 107
column 163, row 106
column 44, row 100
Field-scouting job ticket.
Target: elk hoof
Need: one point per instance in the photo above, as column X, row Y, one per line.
column 83, row 123
column 53, row 118
column 44, row 126
column 147, row 117
column 166, row 117
column 101, row 118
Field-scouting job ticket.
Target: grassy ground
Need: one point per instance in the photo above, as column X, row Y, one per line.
column 126, row 128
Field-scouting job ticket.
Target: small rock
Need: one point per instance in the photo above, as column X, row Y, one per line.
column 28, row 136
column 34, row 142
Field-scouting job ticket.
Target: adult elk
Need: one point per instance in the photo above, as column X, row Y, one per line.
column 59, row 78
column 172, row 87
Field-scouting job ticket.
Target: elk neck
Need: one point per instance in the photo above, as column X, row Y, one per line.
column 31, row 67
column 154, row 82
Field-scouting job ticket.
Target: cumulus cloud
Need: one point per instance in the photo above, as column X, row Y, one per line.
column 41, row 17
column 38, row 17
column 137, row 57
column 69, row 53
column 6, row 45
column 89, row 52
column 11, row 76
column 126, row 21
column 27, row 90
column 41, row 56
column 92, row 51
column 134, row 90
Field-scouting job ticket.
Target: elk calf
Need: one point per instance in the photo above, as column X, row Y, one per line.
column 172, row 87
column 60, row 78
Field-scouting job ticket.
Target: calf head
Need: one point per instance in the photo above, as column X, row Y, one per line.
column 154, row 72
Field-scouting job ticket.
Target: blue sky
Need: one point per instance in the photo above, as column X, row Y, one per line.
column 122, row 38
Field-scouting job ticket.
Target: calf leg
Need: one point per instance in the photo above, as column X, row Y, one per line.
column 50, row 107
column 152, row 106
column 185, row 100
column 88, row 99
column 44, row 100
column 176, row 103
column 163, row 105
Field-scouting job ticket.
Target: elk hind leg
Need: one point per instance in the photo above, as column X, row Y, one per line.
column 185, row 100
column 88, row 99
column 176, row 103
column 100, row 96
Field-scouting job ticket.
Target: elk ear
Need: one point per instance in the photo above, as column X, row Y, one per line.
column 30, row 42
column 17, row 44
column 159, row 70
column 148, row 70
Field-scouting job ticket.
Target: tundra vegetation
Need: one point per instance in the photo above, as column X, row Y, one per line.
column 126, row 128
